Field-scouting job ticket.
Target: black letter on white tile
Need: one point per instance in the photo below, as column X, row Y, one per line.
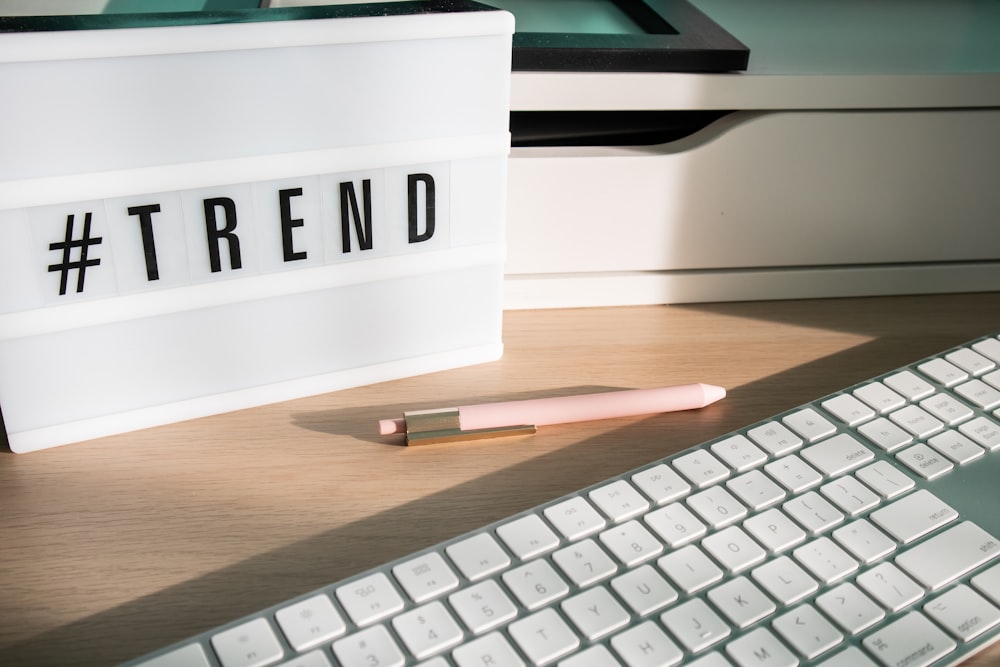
column 145, row 214
column 349, row 209
column 413, row 205
column 217, row 234
column 288, row 223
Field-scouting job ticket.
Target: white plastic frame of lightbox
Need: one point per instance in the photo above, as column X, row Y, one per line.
column 469, row 270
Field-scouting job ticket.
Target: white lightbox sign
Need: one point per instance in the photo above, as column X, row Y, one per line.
column 228, row 209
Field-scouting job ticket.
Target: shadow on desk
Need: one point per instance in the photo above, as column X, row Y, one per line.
column 175, row 613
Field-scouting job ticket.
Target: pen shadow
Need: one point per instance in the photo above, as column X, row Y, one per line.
column 343, row 421
column 177, row 612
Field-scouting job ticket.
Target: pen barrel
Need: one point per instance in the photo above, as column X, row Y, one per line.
column 566, row 409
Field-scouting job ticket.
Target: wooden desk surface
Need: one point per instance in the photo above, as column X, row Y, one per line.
column 115, row 547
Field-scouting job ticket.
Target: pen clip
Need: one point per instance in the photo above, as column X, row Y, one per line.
column 426, row 427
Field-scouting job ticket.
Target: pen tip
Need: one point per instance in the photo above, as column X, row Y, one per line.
column 712, row 393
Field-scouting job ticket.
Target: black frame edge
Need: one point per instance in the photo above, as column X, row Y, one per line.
column 697, row 44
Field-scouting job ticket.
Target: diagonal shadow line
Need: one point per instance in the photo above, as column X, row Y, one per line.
column 263, row 580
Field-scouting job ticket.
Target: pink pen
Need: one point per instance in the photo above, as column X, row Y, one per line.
column 470, row 422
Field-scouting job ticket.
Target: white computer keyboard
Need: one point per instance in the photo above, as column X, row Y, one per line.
column 857, row 530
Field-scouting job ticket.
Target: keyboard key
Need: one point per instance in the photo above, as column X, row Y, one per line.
column 848, row 409
column 644, row 590
column 885, row 434
column 741, row 602
column 888, row 585
column 192, row 655
column 760, row 648
column 793, row 473
column 880, row 397
column 661, row 484
column 310, row 622
column 809, row 424
column 478, row 556
column 701, row 468
column 756, row 490
column 689, row 568
column 427, row 630
column 947, row 408
column 913, row 516
column 849, row 657
column 988, row 583
column 584, row 562
column 825, row 560
column 837, row 455
column 646, row 645
column 894, row 644
column 984, row 395
column 595, row 656
column 717, row 507
column 775, row 530
column 917, row 421
column 675, row 524
column 989, row 348
column 575, row 518
column 318, row 659
column 250, row 644
column 543, row 636
column 695, row 625
column 433, row 662
column 631, row 543
column 425, row 577
column 775, row 437
column 956, row 447
column 739, row 453
column 733, row 549
column 807, row 631
column 850, row 495
column 925, row 461
column 373, row 646
column 943, row 371
column 849, row 608
column 711, row 660
column 970, row 360
column 813, row 512
column 483, row 606
column 595, row 613
column 963, row 613
column 984, row 431
column 535, row 584
column 619, row 500
column 909, row 385
column 865, row 542
column 784, row 580
column 528, row 537
column 369, row 599
column 885, row 479
column 493, row 650
column 949, row 555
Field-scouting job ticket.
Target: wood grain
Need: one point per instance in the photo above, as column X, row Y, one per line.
column 115, row 547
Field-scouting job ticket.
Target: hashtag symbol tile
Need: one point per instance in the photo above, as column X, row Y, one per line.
column 82, row 246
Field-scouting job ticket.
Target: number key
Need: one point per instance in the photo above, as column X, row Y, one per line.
column 584, row 562
column 535, row 583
